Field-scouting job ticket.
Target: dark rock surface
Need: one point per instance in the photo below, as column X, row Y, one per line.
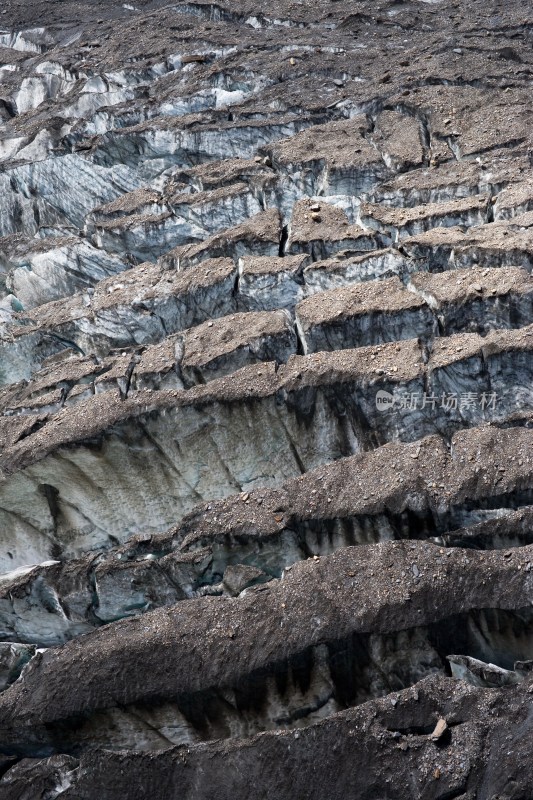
column 266, row 400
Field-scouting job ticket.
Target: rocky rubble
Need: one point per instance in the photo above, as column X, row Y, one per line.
column 266, row 400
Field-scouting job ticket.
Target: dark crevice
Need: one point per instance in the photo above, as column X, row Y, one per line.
column 283, row 240
column 37, row 426
column 8, row 763
column 51, row 495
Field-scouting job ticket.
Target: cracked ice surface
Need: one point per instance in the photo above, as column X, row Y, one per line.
column 266, row 391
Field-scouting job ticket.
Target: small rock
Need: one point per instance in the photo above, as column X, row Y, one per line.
column 193, row 59
column 403, row 746
column 240, row 576
column 440, row 729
